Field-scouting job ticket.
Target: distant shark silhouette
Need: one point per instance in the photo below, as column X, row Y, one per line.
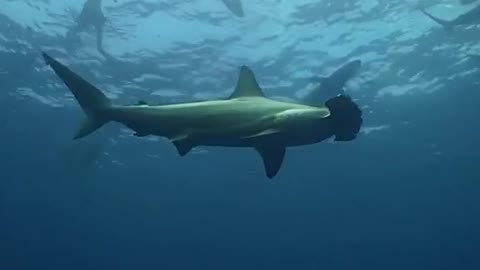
column 91, row 16
column 235, row 6
column 332, row 85
column 469, row 18
column 246, row 119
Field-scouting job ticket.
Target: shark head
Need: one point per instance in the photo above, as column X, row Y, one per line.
column 346, row 117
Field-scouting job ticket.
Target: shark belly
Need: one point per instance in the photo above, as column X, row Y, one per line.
column 287, row 137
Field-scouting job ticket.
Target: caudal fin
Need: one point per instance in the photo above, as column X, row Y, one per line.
column 446, row 24
column 93, row 102
column 346, row 117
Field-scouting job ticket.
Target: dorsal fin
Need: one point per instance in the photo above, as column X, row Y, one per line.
column 247, row 85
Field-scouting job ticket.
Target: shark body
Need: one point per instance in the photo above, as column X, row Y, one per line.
column 246, row 119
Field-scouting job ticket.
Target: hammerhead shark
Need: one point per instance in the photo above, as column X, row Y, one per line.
column 471, row 17
column 246, row 119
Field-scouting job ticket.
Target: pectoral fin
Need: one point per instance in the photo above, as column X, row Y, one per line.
column 263, row 133
column 272, row 158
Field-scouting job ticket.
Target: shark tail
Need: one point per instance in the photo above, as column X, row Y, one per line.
column 447, row 25
column 94, row 103
column 346, row 117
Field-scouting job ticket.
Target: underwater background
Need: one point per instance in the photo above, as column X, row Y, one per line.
column 403, row 195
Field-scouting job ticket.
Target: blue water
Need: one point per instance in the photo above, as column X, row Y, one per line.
column 403, row 195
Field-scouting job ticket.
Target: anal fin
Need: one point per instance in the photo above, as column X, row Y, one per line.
column 183, row 143
column 272, row 158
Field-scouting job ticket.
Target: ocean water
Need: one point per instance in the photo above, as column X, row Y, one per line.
column 403, row 195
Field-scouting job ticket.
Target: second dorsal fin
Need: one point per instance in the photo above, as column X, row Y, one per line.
column 247, row 85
